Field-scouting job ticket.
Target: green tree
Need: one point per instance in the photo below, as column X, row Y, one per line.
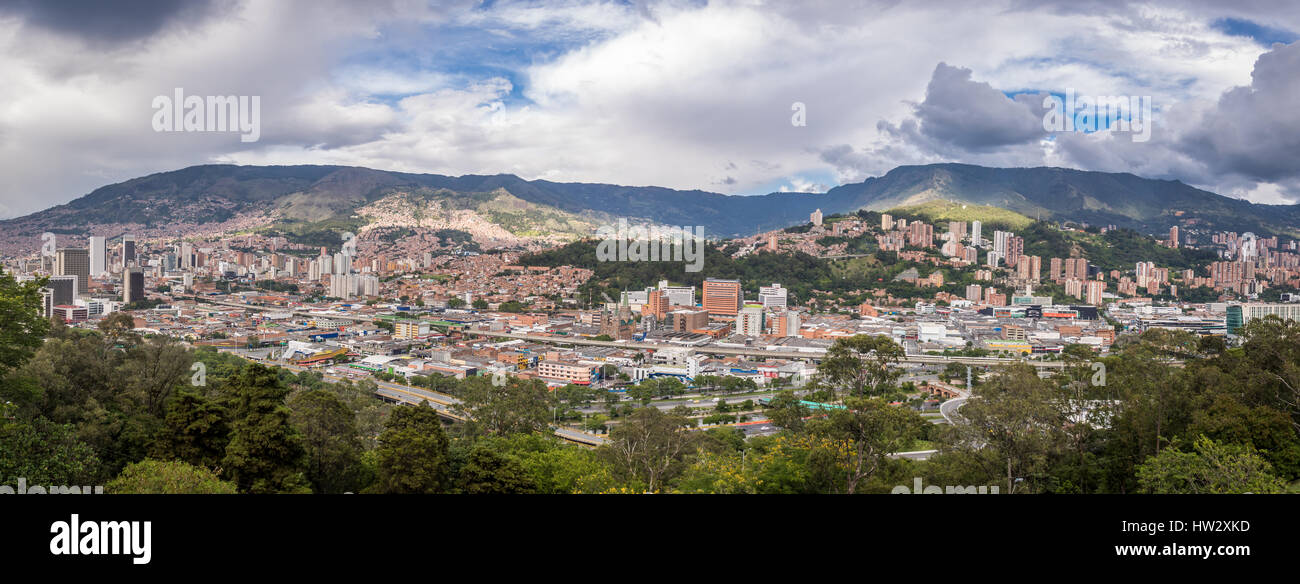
column 329, row 433
column 788, row 412
column 649, row 446
column 1212, row 467
column 1014, row 421
column 23, row 327
column 153, row 370
column 44, row 453
column 412, row 456
column 864, row 433
column 490, row 472
column 196, row 430
column 155, row 477
column 265, row 453
column 862, row 365
column 516, row 406
column 118, row 329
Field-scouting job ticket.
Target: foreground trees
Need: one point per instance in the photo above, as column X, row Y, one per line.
column 649, row 447
column 861, row 365
column 1209, row 467
column 152, row 477
column 863, row 434
column 1173, row 413
column 265, row 454
column 412, row 454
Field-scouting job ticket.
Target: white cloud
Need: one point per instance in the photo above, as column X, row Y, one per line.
column 665, row 93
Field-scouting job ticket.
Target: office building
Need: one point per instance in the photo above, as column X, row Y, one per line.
column 70, row 261
column 722, row 297
column 773, row 296
column 98, row 257
column 132, row 285
column 63, row 288
column 128, row 250
column 1241, row 314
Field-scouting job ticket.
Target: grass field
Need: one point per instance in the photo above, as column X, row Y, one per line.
column 934, row 211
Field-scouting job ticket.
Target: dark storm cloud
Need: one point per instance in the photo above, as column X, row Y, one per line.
column 100, row 22
column 1254, row 131
column 974, row 116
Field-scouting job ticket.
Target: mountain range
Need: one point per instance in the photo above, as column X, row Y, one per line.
column 299, row 199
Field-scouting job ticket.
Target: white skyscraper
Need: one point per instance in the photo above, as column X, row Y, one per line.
column 975, row 234
column 98, row 257
column 750, row 321
column 1000, row 239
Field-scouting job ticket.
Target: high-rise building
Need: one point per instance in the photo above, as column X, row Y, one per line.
column 98, row 256
column 1080, row 269
column 1092, row 292
column 1000, row 239
column 721, row 297
column 132, row 285
column 47, row 302
column 956, row 230
column 656, row 305
column 74, row 261
column 63, row 289
column 773, row 296
column 816, row 217
column 886, row 222
column 1015, row 249
column 975, row 233
column 920, row 234
column 342, row 263
column 749, row 321
column 1173, row 236
column 128, row 250
column 785, row 323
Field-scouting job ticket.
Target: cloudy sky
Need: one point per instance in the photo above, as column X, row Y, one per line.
column 684, row 94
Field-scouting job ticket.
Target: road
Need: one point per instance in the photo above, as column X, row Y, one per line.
column 443, row 403
column 949, row 409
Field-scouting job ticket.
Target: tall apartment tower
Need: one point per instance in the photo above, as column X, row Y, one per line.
column 975, row 233
column 74, row 261
column 721, row 297
column 816, row 217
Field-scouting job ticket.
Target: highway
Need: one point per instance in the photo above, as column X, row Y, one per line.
column 443, row 403
column 949, row 408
